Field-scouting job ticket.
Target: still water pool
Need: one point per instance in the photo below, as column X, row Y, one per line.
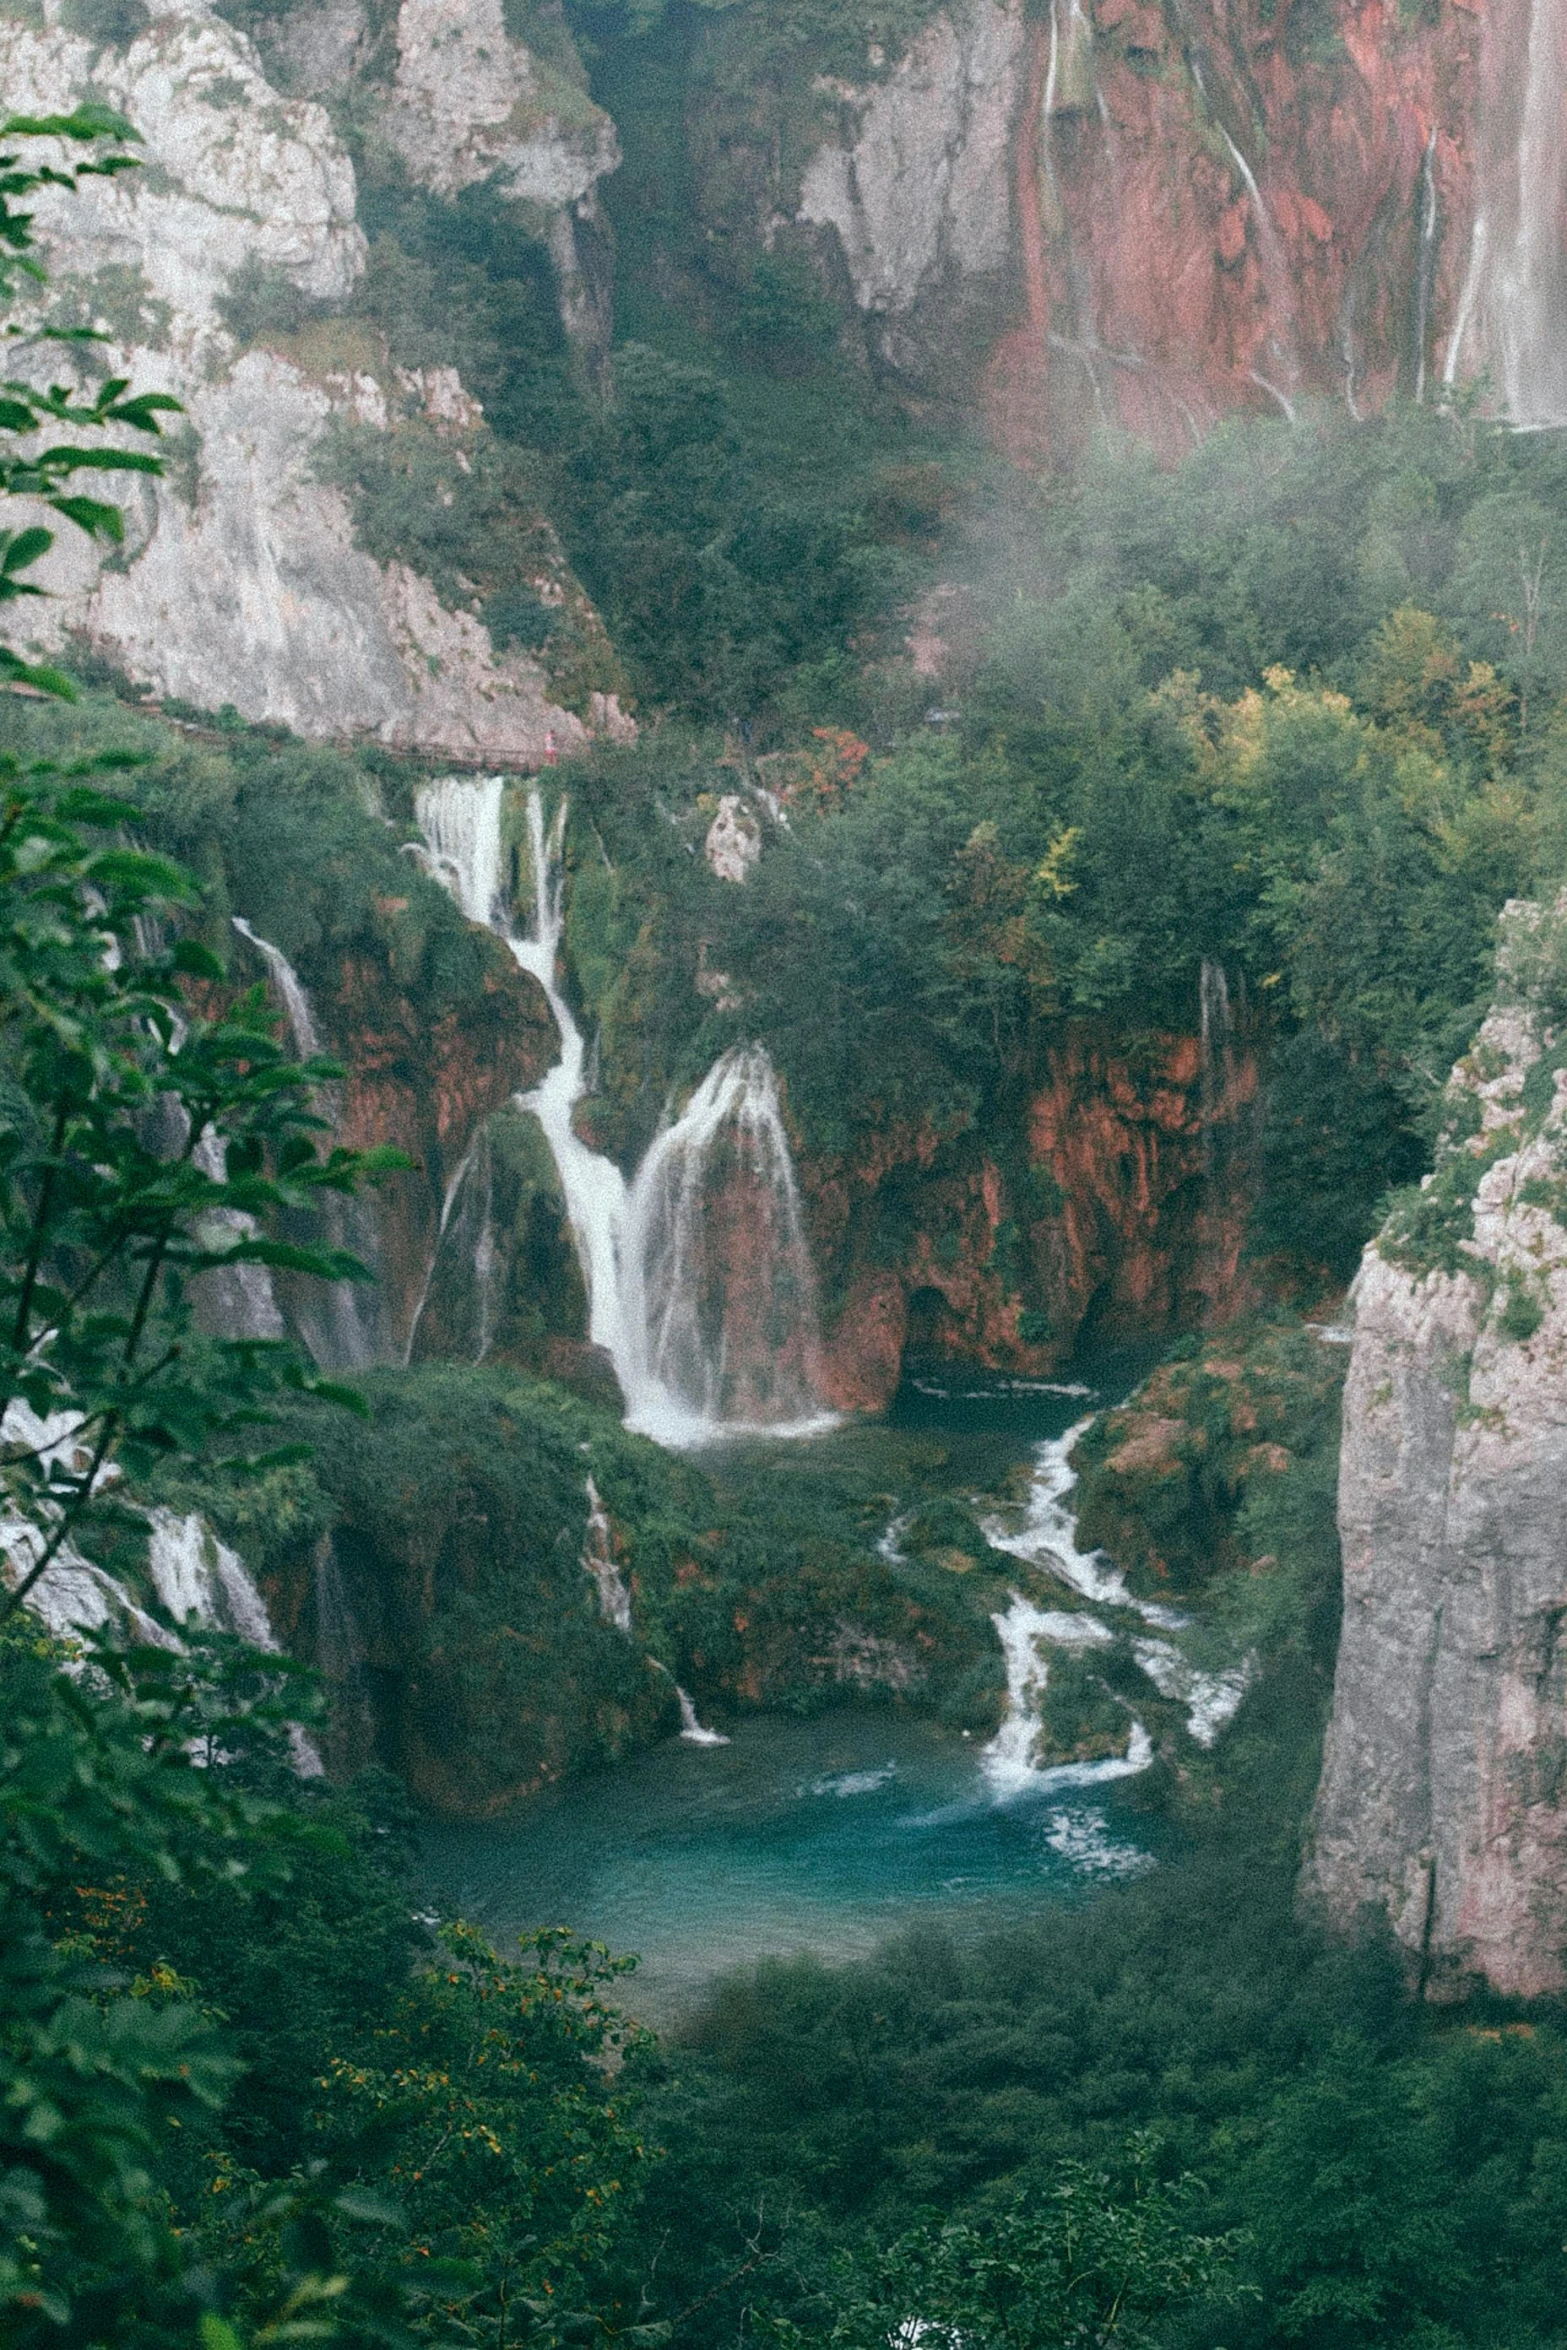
column 823, row 1835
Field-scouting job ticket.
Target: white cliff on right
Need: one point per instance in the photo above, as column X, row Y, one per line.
column 1441, row 1805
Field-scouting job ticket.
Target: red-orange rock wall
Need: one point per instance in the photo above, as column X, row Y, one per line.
column 1170, row 288
column 1111, row 1202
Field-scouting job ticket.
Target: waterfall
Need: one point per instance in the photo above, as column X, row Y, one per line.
column 1212, row 1700
column 194, row 1575
column 1275, row 263
column 465, row 1237
column 599, row 1562
column 1425, row 266
column 1512, row 314
column 241, row 1297
column 1216, row 1026
column 1048, row 1536
column 699, row 1280
column 717, row 1238
column 693, row 1731
column 302, row 1027
column 1008, row 1761
column 329, row 1316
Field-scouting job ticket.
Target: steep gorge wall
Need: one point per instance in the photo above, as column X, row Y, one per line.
column 1441, row 1807
column 1153, row 215
column 1111, row 1201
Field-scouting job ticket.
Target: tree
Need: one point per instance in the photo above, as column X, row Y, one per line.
column 146, row 1132
column 1083, row 2262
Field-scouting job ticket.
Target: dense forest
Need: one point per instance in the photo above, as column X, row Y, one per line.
column 1290, row 707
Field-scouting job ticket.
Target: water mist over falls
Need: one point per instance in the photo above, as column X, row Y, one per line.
column 699, row 1279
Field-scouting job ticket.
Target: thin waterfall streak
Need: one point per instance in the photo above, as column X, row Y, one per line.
column 1273, row 392
column 448, row 1202
column 336, row 1334
column 1478, row 242
column 302, row 1027
column 1216, row 1032
column 601, row 1566
column 1276, row 270
column 1425, row 267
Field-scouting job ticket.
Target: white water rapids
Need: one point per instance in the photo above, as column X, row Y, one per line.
column 1047, row 1539
column 699, row 1279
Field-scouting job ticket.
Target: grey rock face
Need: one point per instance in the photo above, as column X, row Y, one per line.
column 1443, row 1801
column 240, row 581
column 472, row 104
column 917, row 182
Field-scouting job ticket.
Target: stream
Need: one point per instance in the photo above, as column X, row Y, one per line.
column 822, row 1834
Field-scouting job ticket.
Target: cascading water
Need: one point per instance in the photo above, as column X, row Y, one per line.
column 332, row 1323
column 1512, row 313
column 599, row 1562
column 301, row 1021
column 1425, row 265
column 239, row 1298
column 1047, row 1539
column 716, row 1244
column 194, row 1575
column 1216, row 1030
column 1008, row 1760
column 698, row 1275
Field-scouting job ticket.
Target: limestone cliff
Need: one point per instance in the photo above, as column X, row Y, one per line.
column 241, row 581
column 1441, row 1802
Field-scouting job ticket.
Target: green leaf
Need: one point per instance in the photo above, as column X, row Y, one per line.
column 92, row 516
column 39, row 676
column 197, row 961
column 87, row 121
column 19, row 549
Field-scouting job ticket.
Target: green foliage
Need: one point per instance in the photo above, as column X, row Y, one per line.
column 139, row 1149
column 26, row 408
column 115, row 22
column 99, row 1783
column 1089, row 2260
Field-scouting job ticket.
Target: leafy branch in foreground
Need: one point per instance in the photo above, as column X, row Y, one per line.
column 141, row 1147
column 27, row 409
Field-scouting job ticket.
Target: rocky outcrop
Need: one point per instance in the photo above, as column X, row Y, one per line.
column 470, row 104
column 240, row 581
column 917, row 182
column 1119, row 1209
column 1441, row 1807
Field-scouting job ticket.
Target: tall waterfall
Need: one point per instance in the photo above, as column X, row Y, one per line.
column 1512, row 311
column 717, row 1240
column 698, row 1275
